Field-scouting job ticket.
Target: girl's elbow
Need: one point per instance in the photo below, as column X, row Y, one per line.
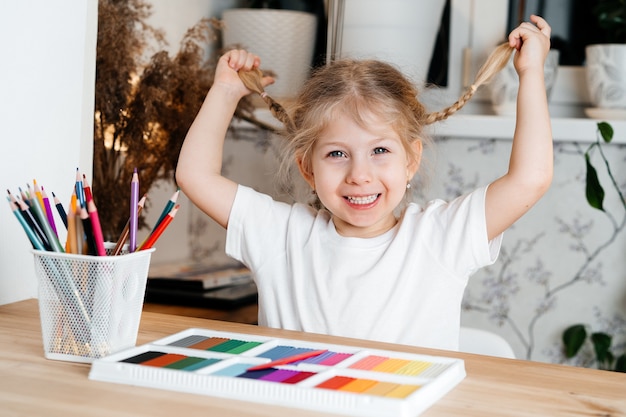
column 541, row 184
column 182, row 178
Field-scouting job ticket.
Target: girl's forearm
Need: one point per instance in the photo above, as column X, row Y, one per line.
column 200, row 162
column 531, row 154
column 201, row 153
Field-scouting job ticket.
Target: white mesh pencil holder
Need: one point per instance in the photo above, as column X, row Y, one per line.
column 90, row 306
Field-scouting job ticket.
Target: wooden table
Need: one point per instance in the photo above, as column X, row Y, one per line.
column 31, row 385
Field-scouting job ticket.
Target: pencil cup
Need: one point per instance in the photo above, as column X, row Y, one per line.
column 90, row 306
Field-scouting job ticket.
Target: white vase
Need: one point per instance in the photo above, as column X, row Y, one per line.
column 402, row 32
column 605, row 71
column 284, row 39
column 505, row 84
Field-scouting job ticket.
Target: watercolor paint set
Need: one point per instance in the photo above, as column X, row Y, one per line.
column 328, row 378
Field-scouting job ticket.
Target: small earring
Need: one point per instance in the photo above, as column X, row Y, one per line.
column 408, row 185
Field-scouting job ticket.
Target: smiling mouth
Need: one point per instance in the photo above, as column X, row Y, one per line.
column 362, row 200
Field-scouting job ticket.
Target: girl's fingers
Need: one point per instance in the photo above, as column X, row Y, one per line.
column 537, row 25
column 541, row 24
column 267, row 81
column 242, row 60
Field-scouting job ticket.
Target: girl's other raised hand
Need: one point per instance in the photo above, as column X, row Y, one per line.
column 532, row 41
column 228, row 66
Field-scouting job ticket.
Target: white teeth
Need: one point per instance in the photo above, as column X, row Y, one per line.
column 363, row 200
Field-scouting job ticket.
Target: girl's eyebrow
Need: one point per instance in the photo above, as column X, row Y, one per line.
column 344, row 142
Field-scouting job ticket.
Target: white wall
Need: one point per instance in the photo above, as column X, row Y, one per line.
column 46, row 114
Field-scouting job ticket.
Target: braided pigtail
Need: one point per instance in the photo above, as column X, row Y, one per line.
column 252, row 80
column 496, row 61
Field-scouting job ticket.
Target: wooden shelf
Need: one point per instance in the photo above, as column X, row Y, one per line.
column 477, row 120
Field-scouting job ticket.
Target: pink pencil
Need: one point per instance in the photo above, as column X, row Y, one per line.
column 288, row 360
column 96, row 229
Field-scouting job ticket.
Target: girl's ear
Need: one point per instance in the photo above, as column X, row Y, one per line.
column 415, row 158
column 306, row 172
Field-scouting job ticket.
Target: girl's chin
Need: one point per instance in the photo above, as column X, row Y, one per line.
column 363, row 228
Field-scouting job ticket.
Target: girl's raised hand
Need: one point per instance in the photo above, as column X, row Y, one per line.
column 228, row 66
column 532, row 41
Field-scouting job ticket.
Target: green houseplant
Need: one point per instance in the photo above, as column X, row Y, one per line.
column 611, row 18
column 576, row 336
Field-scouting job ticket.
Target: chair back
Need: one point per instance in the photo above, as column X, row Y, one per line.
column 483, row 342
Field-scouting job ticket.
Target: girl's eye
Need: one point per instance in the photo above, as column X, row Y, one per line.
column 380, row 150
column 336, row 154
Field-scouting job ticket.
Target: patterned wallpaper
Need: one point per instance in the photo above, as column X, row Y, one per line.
column 563, row 263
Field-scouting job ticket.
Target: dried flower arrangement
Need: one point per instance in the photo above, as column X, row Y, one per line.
column 144, row 109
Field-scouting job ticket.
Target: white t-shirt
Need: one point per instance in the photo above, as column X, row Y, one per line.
column 405, row 286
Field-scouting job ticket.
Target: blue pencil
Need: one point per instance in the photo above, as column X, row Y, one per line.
column 168, row 207
column 80, row 193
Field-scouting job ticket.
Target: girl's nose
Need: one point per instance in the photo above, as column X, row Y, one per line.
column 359, row 172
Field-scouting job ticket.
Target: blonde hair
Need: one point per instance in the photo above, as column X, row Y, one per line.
column 357, row 88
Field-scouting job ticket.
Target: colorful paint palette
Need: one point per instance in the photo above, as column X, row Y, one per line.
column 342, row 379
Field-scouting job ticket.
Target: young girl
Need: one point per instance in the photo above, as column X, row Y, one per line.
column 354, row 268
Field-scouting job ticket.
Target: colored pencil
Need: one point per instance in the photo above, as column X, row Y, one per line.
column 71, row 244
column 37, row 189
column 124, row 236
column 160, row 229
column 11, row 198
column 80, row 195
column 288, row 360
column 34, row 240
column 87, row 189
column 81, row 238
column 60, row 209
column 25, row 196
column 53, row 240
column 90, row 246
column 28, row 215
column 96, row 229
column 49, row 213
column 134, row 201
column 168, row 207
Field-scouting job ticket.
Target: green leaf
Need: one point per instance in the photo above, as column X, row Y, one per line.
column 620, row 363
column 593, row 190
column 573, row 339
column 602, row 346
column 606, row 131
